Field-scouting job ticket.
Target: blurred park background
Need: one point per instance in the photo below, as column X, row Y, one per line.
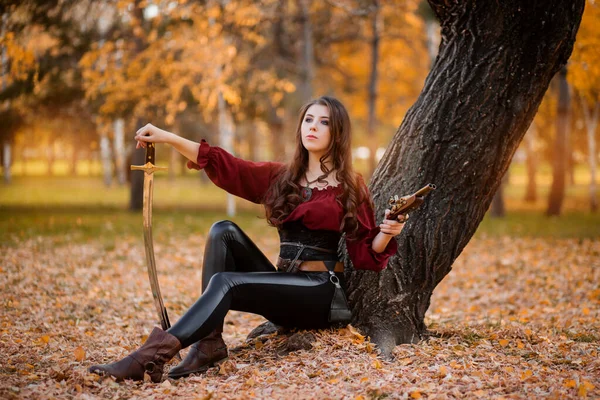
column 519, row 310
column 79, row 77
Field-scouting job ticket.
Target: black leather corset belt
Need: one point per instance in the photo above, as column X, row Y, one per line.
column 298, row 243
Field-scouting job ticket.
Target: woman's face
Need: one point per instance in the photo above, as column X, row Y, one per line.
column 315, row 130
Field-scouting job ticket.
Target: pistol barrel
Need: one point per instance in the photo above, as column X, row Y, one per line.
column 424, row 190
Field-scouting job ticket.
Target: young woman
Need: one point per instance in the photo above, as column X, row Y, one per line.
column 312, row 201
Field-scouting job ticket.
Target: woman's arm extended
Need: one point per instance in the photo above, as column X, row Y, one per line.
column 150, row 133
column 247, row 179
column 388, row 229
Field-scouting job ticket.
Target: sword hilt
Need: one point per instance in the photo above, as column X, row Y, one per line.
column 148, row 168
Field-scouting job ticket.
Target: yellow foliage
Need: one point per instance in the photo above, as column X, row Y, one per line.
column 584, row 64
column 22, row 59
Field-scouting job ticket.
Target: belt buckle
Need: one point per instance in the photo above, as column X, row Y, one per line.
column 291, row 266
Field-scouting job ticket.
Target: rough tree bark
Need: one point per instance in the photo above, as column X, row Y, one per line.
column 495, row 62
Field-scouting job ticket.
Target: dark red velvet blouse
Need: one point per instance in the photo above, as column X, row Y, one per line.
column 250, row 180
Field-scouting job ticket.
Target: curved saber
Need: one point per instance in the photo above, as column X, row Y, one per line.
column 149, row 169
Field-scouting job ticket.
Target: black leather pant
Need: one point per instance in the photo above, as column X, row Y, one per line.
column 237, row 276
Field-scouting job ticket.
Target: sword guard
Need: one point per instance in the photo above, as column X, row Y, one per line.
column 148, row 168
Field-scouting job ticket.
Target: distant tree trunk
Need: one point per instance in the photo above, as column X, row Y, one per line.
column 252, row 139
column 7, row 161
column 119, row 149
column 226, row 135
column 497, row 209
column 493, row 68
column 249, row 135
column 276, row 128
column 570, row 162
column 6, row 145
column 591, row 118
column 372, row 89
column 184, row 169
column 24, row 161
column 136, row 198
column 74, row 159
column 173, row 162
column 531, row 165
column 50, row 158
column 559, row 157
column 432, row 28
column 106, row 157
column 308, row 56
column 138, row 156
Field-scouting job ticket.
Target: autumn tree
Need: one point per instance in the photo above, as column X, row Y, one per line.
column 584, row 75
column 41, row 42
column 376, row 59
column 495, row 62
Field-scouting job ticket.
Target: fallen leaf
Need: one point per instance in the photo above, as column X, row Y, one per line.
column 526, row 374
column 79, row 354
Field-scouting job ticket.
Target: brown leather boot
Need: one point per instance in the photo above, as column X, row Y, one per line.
column 158, row 349
column 204, row 354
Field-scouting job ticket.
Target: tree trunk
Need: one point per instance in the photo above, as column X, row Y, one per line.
column 24, row 161
column 570, row 161
column 432, row 30
column 497, row 210
column 252, row 139
column 531, row 165
column 494, row 65
column 278, row 137
column 372, row 89
column 559, row 157
column 119, row 149
column 50, row 156
column 226, row 134
column 138, row 156
column 308, row 56
column 591, row 123
column 136, row 198
column 6, row 161
column 6, row 145
column 173, row 162
column 107, row 164
column 74, row 159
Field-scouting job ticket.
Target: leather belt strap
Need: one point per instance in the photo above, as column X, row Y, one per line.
column 316, row 266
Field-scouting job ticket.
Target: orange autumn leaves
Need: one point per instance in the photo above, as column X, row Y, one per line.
column 516, row 318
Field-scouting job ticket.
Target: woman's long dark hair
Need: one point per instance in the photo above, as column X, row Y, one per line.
column 284, row 195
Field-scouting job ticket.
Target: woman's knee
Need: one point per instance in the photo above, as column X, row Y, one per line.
column 220, row 281
column 220, row 228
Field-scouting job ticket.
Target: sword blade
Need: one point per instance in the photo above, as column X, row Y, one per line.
column 150, row 261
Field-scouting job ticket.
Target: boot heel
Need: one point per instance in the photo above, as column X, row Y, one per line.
column 219, row 362
column 204, row 354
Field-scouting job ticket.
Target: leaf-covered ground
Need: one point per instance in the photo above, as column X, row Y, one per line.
column 516, row 318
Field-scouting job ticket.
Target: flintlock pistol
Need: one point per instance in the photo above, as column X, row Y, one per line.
column 403, row 205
